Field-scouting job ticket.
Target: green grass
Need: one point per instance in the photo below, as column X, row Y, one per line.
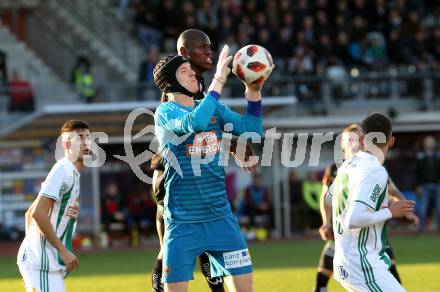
column 279, row 266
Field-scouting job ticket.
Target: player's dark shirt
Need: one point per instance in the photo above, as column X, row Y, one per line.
column 202, row 89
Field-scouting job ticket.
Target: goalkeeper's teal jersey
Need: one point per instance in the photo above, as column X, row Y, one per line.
column 190, row 141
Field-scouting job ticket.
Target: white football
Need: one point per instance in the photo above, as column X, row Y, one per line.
column 252, row 64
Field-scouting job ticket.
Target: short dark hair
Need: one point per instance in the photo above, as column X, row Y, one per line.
column 73, row 125
column 376, row 122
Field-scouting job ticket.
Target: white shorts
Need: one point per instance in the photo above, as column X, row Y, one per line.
column 41, row 281
column 386, row 283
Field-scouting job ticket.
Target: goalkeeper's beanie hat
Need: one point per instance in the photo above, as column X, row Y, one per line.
column 165, row 75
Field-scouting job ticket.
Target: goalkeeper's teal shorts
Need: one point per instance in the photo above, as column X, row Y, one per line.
column 220, row 239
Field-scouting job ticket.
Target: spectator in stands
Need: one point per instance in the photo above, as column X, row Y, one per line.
column 341, row 48
column 227, row 29
column 302, row 63
column 405, row 38
column 145, row 75
column 284, row 49
column 257, row 200
column 141, row 209
column 427, row 180
column 168, row 17
column 420, row 55
column 21, row 94
column 207, row 18
column 374, row 54
column 146, row 28
column 112, row 209
column 397, row 49
column 82, row 78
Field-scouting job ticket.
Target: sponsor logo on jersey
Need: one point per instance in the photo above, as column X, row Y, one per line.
column 343, row 274
column 205, row 143
column 72, row 212
column 376, row 192
column 237, row 259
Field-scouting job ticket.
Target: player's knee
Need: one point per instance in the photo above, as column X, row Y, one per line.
column 240, row 283
column 176, row 287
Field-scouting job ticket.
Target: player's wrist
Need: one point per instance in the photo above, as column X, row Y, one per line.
column 388, row 213
column 252, row 94
column 216, row 86
column 220, row 78
column 62, row 249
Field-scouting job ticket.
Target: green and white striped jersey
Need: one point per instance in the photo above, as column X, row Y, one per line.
column 61, row 185
column 360, row 255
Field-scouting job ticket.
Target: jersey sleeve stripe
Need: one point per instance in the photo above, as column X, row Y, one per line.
column 366, row 204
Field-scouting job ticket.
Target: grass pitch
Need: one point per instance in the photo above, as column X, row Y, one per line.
column 279, row 266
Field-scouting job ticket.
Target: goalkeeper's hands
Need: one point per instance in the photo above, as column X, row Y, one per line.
column 222, row 70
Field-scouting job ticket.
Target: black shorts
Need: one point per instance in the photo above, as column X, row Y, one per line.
column 327, row 254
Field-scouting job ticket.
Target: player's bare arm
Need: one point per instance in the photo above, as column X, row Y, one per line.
column 28, row 215
column 326, row 230
column 41, row 217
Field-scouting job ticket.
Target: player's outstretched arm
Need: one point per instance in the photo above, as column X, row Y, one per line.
column 41, row 217
column 181, row 122
column 252, row 121
column 197, row 120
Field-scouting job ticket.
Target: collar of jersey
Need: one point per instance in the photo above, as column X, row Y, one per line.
column 71, row 164
column 361, row 153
